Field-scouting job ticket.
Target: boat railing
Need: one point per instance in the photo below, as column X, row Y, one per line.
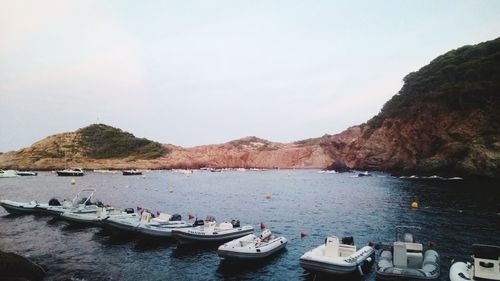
column 91, row 190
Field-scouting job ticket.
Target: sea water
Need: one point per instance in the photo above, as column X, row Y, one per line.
column 452, row 213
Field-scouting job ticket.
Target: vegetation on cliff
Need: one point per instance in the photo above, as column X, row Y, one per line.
column 463, row 79
column 103, row 142
column 445, row 118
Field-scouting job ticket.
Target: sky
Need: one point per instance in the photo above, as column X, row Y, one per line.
column 201, row 72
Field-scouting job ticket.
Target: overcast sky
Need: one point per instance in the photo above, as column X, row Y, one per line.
column 200, row 72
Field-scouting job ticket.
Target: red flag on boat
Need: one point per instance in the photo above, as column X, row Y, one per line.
column 190, row 216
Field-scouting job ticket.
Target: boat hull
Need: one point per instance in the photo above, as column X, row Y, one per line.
column 339, row 266
column 120, row 226
column 26, row 174
column 159, row 230
column 186, row 237
column 430, row 263
column 18, row 208
column 459, row 271
column 125, row 173
column 256, row 254
column 85, row 219
column 69, row 174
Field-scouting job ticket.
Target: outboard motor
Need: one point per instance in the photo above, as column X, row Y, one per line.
column 198, row 222
column 235, row 223
column 175, row 217
column 349, row 240
column 54, row 202
column 99, row 204
column 129, row 210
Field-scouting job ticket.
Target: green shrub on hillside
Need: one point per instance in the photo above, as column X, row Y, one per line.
column 462, row 79
column 102, row 142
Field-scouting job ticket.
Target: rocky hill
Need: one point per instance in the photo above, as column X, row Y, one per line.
column 445, row 120
column 103, row 147
column 95, row 143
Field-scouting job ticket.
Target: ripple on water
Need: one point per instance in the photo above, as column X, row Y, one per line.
column 453, row 214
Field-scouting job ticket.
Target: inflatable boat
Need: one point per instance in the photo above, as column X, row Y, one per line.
column 211, row 232
column 162, row 225
column 91, row 218
column 252, row 246
column 81, row 203
column 338, row 257
column 485, row 265
column 407, row 260
column 122, row 223
column 14, row 207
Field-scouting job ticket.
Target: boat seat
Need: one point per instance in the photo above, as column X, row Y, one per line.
column 145, row 217
column 163, row 216
column 400, row 258
column 414, row 247
column 265, row 235
column 415, row 260
column 346, row 250
column 332, row 247
column 486, row 262
column 226, row 225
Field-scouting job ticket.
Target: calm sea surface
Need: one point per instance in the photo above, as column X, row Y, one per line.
column 454, row 214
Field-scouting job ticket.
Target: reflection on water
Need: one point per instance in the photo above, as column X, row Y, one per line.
column 454, row 214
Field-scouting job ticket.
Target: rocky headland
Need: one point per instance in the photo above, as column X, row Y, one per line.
column 445, row 120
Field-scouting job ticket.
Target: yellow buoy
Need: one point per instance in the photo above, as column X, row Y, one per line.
column 269, row 196
column 73, row 181
column 170, row 189
column 414, row 205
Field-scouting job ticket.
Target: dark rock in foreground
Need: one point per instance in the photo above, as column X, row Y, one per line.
column 14, row 267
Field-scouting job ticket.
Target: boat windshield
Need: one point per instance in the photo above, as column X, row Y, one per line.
column 83, row 197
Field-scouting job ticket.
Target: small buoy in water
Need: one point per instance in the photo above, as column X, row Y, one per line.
column 170, row 189
column 289, row 174
column 414, row 205
column 143, row 176
column 269, row 196
column 262, row 225
column 303, row 234
column 73, row 181
column 190, row 216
